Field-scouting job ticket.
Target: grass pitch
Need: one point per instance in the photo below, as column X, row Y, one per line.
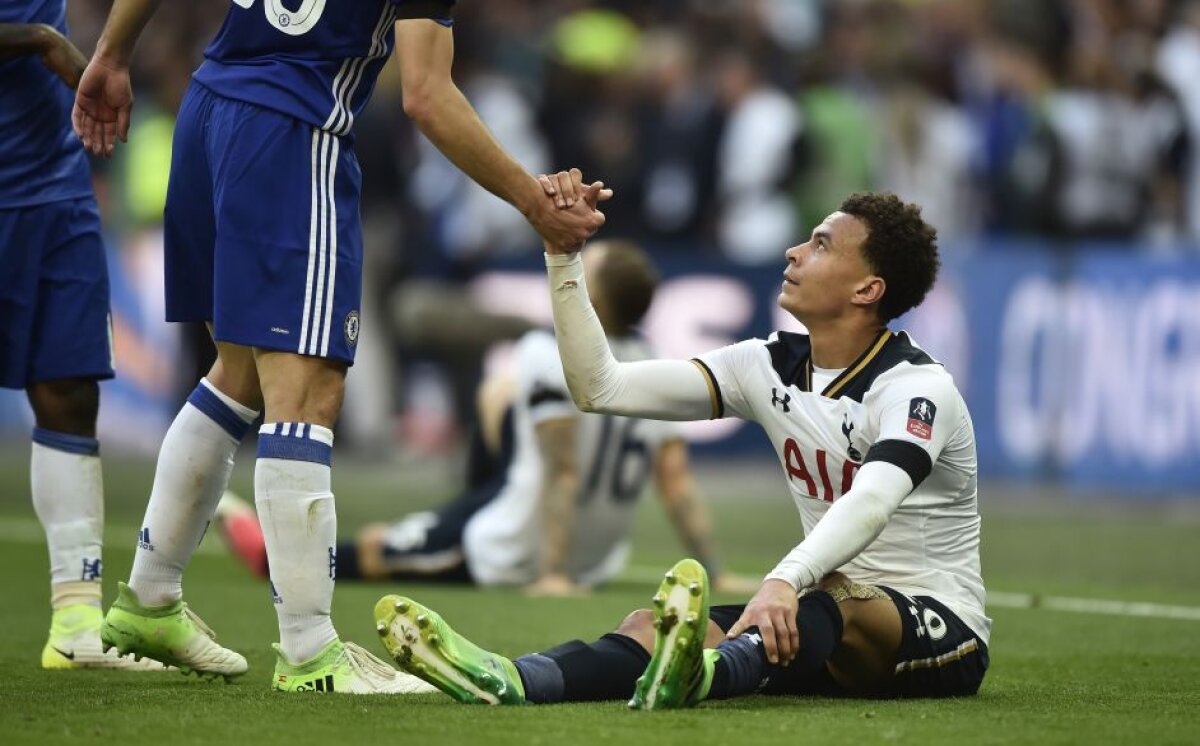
column 1056, row 677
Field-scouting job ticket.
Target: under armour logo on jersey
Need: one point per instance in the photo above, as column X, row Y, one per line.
column 91, row 569
column 776, row 401
column 847, row 428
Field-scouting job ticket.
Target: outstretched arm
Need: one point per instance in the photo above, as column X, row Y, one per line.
column 105, row 97
column 58, row 54
column 425, row 51
column 651, row 389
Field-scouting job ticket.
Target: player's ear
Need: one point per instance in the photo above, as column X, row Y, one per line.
column 870, row 291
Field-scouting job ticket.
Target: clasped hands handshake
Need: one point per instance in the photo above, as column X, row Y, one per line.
column 568, row 214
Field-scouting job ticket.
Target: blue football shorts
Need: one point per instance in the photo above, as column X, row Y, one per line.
column 54, row 308
column 263, row 236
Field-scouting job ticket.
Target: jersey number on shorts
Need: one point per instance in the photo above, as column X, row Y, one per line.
column 630, row 466
column 291, row 22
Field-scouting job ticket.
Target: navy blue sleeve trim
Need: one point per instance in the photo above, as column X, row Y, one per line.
column 908, row 456
column 438, row 10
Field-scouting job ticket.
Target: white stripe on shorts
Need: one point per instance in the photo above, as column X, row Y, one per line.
column 318, row 304
column 312, row 244
column 332, row 245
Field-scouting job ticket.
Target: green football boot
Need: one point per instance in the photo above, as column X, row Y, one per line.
column 346, row 668
column 681, row 670
column 74, row 642
column 425, row 646
column 171, row 634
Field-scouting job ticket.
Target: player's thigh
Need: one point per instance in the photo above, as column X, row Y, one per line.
column 288, row 267
column 23, row 235
column 939, row 655
column 189, row 220
column 720, row 620
column 865, row 658
column 71, row 327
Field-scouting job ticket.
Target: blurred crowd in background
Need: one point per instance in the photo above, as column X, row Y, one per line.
column 728, row 128
column 729, row 125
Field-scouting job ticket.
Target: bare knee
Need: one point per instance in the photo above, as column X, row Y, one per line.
column 639, row 625
column 68, row 405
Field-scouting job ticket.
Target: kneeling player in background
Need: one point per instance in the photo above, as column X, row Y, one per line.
column 551, row 491
column 883, row 597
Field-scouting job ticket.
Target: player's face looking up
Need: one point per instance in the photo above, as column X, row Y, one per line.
column 828, row 275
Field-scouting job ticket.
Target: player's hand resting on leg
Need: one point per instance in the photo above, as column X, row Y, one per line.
column 773, row 610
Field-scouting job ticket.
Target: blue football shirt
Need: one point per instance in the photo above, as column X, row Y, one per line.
column 315, row 60
column 41, row 160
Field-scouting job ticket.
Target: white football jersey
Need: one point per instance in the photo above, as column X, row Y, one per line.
column 893, row 404
column 616, row 455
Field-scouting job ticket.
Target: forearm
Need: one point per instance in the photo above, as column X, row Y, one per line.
column 690, row 517
column 18, row 39
column 851, row 524
column 653, row 389
column 125, row 23
column 558, row 521
column 453, row 126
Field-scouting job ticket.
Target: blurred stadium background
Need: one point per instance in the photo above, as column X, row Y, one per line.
column 1055, row 144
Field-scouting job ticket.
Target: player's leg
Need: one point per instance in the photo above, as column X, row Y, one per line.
column 576, row 671
column 856, row 640
column 194, row 465
column 863, row 641
column 196, row 456
column 288, row 281
column 421, row 547
column 429, row 546
column 66, row 351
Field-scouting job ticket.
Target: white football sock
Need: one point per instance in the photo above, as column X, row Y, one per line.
column 294, row 497
column 68, row 497
column 194, row 464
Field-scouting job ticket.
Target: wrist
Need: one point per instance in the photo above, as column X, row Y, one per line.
column 111, row 55
column 783, row 576
column 561, row 258
column 44, row 37
column 527, row 198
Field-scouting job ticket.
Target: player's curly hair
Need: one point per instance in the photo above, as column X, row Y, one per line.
column 628, row 280
column 900, row 247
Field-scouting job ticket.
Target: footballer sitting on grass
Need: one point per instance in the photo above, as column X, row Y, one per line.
column 883, row 597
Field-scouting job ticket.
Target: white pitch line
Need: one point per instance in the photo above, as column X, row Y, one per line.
column 1001, row 599
column 29, row 531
